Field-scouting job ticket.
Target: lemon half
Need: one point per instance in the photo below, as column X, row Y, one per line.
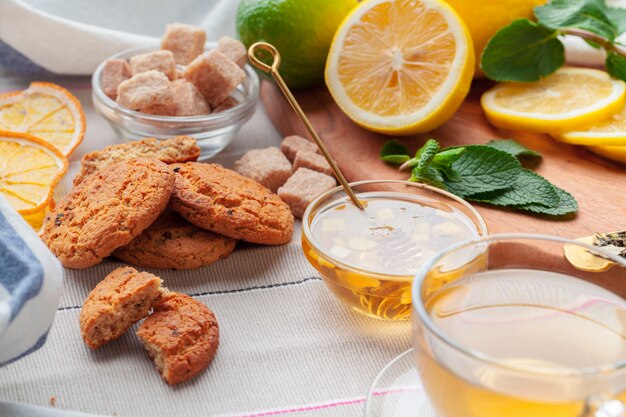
column 400, row 66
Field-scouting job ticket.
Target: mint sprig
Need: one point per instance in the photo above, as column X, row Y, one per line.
column 525, row 51
column 489, row 173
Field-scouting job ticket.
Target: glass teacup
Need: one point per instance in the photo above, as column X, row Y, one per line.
column 524, row 334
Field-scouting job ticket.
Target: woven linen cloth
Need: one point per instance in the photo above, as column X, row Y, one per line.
column 287, row 346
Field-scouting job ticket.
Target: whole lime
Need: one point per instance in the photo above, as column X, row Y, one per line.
column 301, row 30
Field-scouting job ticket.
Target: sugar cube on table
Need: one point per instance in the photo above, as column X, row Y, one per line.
column 113, row 73
column 229, row 103
column 188, row 100
column 303, row 187
column 144, row 90
column 186, row 42
column 312, row 160
column 293, row 144
column 215, row 76
column 268, row 167
column 233, row 49
column 158, row 60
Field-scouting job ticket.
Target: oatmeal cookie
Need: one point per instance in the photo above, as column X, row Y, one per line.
column 225, row 202
column 121, row 299
column 173, row 243
column 177, row 149
column 107, row 210
column 181, row 335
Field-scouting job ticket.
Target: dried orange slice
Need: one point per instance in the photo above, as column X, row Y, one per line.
column 46, row 111
column 400, row 66
column 29, row 170
column 35, row 220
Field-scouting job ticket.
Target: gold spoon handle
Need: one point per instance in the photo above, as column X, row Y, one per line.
column 273, row 70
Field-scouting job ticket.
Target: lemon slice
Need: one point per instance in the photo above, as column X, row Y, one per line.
column 611, row 132
column 564, row 101
column 46, row 111
column 584, row 260
column 616, row 153
column 29, row 170
column 400, row 66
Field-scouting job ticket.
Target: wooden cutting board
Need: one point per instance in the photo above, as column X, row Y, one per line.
column 598, row 184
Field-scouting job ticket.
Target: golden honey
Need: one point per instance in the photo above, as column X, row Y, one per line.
column 368, row 258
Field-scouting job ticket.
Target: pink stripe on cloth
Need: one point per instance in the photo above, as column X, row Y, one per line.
column 321, row 406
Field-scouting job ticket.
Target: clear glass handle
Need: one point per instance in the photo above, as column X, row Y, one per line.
column 613, row 408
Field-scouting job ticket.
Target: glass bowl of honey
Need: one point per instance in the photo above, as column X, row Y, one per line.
column 368, row 258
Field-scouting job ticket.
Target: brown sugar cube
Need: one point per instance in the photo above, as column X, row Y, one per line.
column 186, row 42
column 144, row 90
column 188, row 100
column 229, row 103
column 158, row 60
column 268, row 166
column 115, row 71
column 215, row 76
column 303, row 187
column 233, row 49
column 291, row 145
column 314, row 161
column 166, row 109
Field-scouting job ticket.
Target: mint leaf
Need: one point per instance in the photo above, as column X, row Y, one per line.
column 579, row 14
column 430, row 176
column 394, row 152
column 512, row 147
column 529, row 188
column 616, row 65
column 443, row 162
column 483, row 169
column 522, row 51
column 425, row 155
column 592, row 44
column 423, row 171
column 448, row 156
column 567, row 205
column 618, row 17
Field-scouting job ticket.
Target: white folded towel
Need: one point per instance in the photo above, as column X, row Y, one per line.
column 72, row 37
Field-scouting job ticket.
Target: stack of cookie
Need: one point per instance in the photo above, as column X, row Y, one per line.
column 150, row 204
column 126, row 296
